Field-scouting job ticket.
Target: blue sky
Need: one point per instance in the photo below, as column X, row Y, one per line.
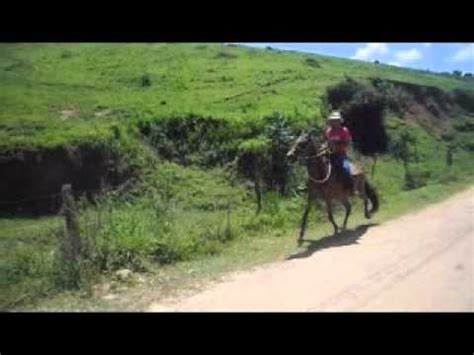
column 437, row 57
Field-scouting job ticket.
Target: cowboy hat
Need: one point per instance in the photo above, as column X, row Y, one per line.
column 335, row 116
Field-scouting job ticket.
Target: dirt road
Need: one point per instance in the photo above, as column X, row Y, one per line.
column 419, row 262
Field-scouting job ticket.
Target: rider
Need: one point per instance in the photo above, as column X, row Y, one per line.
column 339, row 139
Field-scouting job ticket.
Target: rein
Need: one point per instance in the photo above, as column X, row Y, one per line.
column 322, row 181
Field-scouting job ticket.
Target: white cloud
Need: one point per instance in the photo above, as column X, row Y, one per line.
column 397, row 64
column 427, row 45
column 408, row 55
column 464, row 54
column 370, row 51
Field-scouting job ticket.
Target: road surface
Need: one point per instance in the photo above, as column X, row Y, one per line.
column 419, row 262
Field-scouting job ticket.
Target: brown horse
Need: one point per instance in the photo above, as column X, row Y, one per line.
column 328, row 183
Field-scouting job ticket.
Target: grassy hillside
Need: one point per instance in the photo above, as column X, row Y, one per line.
column 58, row 94
column 192, row 123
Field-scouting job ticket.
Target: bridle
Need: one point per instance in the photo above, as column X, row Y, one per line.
column 324, row 151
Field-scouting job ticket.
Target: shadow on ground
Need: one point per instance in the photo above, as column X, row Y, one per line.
column 341, row 239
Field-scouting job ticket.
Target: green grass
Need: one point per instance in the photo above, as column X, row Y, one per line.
column 175, row 225
column 242, row 254
column 176, row 234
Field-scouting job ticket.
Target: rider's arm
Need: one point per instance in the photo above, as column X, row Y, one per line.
column 348, row 141
column 349, row 147
column 326, row 135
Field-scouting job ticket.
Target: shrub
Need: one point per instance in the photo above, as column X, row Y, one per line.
column 145, row 80
column 66, row 54
column 225, row 55
column 312, row 62
column 465, row 99
column 343, row 92
column 416, row 177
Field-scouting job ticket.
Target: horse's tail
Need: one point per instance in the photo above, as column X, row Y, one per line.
column 373, row 197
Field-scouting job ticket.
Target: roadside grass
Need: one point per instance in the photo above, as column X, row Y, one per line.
column 243, row 253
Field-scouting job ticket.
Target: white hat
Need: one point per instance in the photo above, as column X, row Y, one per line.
column 335, row 115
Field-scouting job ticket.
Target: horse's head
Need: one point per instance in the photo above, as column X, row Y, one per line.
column 304, row 146
column 299, row 147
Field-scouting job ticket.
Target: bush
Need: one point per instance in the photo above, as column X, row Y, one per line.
column 396, row 99
column 465, row 99
column 416, row 177
column 226, row 55
column 343, row 92
column 164, row 252
column 145, row 80
column 226, row 78
column 66, row 54
column 281, row 135
column 312, row 62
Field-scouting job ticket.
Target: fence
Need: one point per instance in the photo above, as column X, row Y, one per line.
column 78, row 227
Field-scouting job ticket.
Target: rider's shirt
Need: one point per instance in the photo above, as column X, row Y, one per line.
column 341, row 136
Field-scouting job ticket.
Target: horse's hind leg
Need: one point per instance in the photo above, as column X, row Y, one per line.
column 330, row 215
column 347, row 206
column 304, row 222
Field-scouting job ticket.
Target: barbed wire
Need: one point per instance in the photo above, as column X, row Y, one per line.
column 35, row 198
column 50, row 196
column 37, row 226
column 97, row 217
column 47, row 228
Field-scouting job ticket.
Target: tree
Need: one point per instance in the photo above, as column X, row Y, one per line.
column 280, row 134
column 252, row 154
column 457, row 73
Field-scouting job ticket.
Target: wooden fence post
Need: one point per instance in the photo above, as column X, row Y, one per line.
column 228, row 232
column 449, row 156
column 73, row 243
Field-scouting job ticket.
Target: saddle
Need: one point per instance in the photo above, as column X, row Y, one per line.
column 354, row 170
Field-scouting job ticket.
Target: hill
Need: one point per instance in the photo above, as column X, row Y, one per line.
column 61, row 94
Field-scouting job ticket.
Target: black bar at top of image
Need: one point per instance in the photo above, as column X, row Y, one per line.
column 250, row 32
column 240, row 22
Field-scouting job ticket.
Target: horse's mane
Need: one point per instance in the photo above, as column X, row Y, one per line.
column 318, row 142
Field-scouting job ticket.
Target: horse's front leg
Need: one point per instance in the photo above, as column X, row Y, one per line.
column 347, row 206
column 304, row 222
column 330, row 215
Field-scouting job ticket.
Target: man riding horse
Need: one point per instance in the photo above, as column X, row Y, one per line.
column 331, row 177
column 338, row 139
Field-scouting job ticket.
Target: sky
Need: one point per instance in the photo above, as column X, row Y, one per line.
column 437, row 57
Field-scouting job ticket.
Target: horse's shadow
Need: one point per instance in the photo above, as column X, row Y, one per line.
column 347, row 237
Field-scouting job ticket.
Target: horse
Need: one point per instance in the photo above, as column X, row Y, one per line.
column 327, row 182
